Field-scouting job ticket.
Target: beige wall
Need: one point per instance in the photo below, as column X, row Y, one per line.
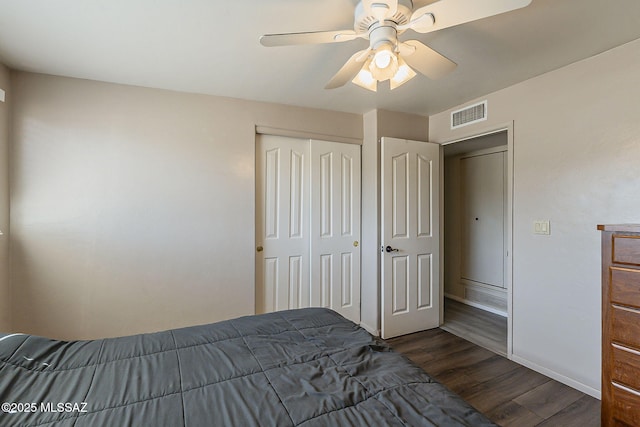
column 576, row 155
column 133, row 209
column 5, row 297
column 378, row 124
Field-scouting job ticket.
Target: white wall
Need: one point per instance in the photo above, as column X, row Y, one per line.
column 370, row 235
column 576, row 157
column 5, row 296
column 133, row 209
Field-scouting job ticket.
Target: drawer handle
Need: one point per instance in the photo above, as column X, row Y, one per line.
column 627, row 389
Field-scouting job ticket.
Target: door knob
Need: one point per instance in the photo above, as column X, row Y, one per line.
column 390, row 249
column 259, row 249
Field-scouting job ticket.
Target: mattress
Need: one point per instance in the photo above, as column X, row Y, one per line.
column 307, row 367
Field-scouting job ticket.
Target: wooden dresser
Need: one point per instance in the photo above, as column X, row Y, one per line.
column 620, row 325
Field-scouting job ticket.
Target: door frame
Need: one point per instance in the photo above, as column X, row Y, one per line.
column 508, row 127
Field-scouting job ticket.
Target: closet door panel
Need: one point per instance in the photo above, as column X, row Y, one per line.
column 483, row 183
column 335, row 227
column 282, row 224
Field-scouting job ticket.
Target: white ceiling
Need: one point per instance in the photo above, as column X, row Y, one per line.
column 211, row 47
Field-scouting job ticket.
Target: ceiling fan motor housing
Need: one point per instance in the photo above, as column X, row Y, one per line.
column 383, row 34
column 364, row 22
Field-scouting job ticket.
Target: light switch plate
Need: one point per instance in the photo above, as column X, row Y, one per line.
column 542, row 227
column 1, row 95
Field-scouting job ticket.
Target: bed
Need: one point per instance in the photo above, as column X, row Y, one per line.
column 306, row 367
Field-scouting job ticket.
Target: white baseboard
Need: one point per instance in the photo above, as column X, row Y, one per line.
column 476, row 305
column 373, row 331
column 558, row 377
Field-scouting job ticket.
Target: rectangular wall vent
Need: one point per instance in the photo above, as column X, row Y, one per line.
column 468, row 115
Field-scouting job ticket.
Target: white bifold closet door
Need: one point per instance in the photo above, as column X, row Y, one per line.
column 307, row 225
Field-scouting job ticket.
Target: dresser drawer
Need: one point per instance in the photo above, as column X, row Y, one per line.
column 625, row 286
column 625, row 326
column 626, row 250
column 626, row 405
column 625, row 365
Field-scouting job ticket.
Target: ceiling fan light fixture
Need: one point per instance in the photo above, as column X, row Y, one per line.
column 384, row 64
column 365, row 78
column 403, row 75
column 383, row 58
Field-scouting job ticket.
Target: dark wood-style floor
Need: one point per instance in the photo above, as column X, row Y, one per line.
column 506, row 392
column 486, row 329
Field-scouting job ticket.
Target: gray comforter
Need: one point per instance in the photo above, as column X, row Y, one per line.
column 308, row 367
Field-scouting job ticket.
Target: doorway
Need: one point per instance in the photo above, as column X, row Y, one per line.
column 476, row 240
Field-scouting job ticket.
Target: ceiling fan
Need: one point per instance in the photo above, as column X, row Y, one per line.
column 388, row 58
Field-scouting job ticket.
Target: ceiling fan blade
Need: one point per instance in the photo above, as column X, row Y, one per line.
column 348, row 70
column 393, row 6
column 448, row 13
column 316, row 37
column 426, row 60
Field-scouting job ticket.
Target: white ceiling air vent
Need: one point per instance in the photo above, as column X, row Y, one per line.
column 468, row 115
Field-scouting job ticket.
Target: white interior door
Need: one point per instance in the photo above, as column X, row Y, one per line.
column 410, row 236
column 307, row 225
column 335, row 227
column 282, row 223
